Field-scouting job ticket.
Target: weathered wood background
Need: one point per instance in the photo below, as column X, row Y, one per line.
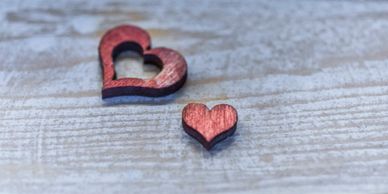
column 309, row 79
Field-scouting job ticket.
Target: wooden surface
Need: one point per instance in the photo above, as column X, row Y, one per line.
column 309, row 80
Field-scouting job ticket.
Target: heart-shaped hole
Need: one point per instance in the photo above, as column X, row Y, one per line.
column 129, row 62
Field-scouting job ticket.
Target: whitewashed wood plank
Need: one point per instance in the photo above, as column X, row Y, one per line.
column 308, row 78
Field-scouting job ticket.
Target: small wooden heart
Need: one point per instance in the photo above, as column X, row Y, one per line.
column 209, row 126
column 127, row 37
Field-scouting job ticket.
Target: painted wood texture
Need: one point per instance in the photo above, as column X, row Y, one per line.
column 209, row 125
column 124, row 38
column 309, row 80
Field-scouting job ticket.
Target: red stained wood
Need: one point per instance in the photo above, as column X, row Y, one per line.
column 127, row 37
column 209, row 126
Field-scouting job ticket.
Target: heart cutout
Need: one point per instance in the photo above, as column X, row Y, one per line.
column 127, row 37
column 209, row 126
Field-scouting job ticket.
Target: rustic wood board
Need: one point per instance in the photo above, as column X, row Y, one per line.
column 309, row 80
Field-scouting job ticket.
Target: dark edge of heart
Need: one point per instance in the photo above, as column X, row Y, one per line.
column 140, row 91
column 208, row 145
column 143, row 91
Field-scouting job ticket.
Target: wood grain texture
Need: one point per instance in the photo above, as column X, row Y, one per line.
column 132, row 38
column 308, row 78
column 209, row 126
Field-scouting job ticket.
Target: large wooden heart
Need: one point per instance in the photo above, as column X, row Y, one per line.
column 209, row 126
column 127, row 37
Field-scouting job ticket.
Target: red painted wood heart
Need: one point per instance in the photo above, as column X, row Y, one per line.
column 127, row 37
column 209, row 126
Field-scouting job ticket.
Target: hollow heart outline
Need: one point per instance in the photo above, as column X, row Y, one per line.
column 170, row 78
column 209, row 126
